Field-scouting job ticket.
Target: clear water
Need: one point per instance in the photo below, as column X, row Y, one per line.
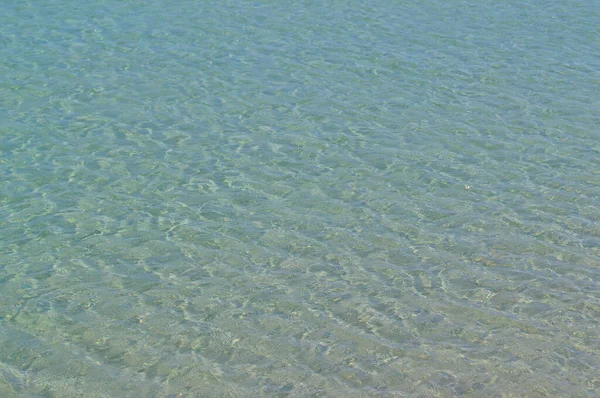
column 299, row 198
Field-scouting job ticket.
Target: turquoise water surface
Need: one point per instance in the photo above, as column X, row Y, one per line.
column 299, row 198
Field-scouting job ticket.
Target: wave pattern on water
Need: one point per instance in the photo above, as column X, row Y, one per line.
column 289, row 199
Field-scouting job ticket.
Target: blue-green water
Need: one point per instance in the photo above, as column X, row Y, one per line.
column 282, row 198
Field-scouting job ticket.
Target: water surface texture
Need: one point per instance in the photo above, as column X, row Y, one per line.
column 299, row 198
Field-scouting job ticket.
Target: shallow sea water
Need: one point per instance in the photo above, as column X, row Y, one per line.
column 283, row 198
